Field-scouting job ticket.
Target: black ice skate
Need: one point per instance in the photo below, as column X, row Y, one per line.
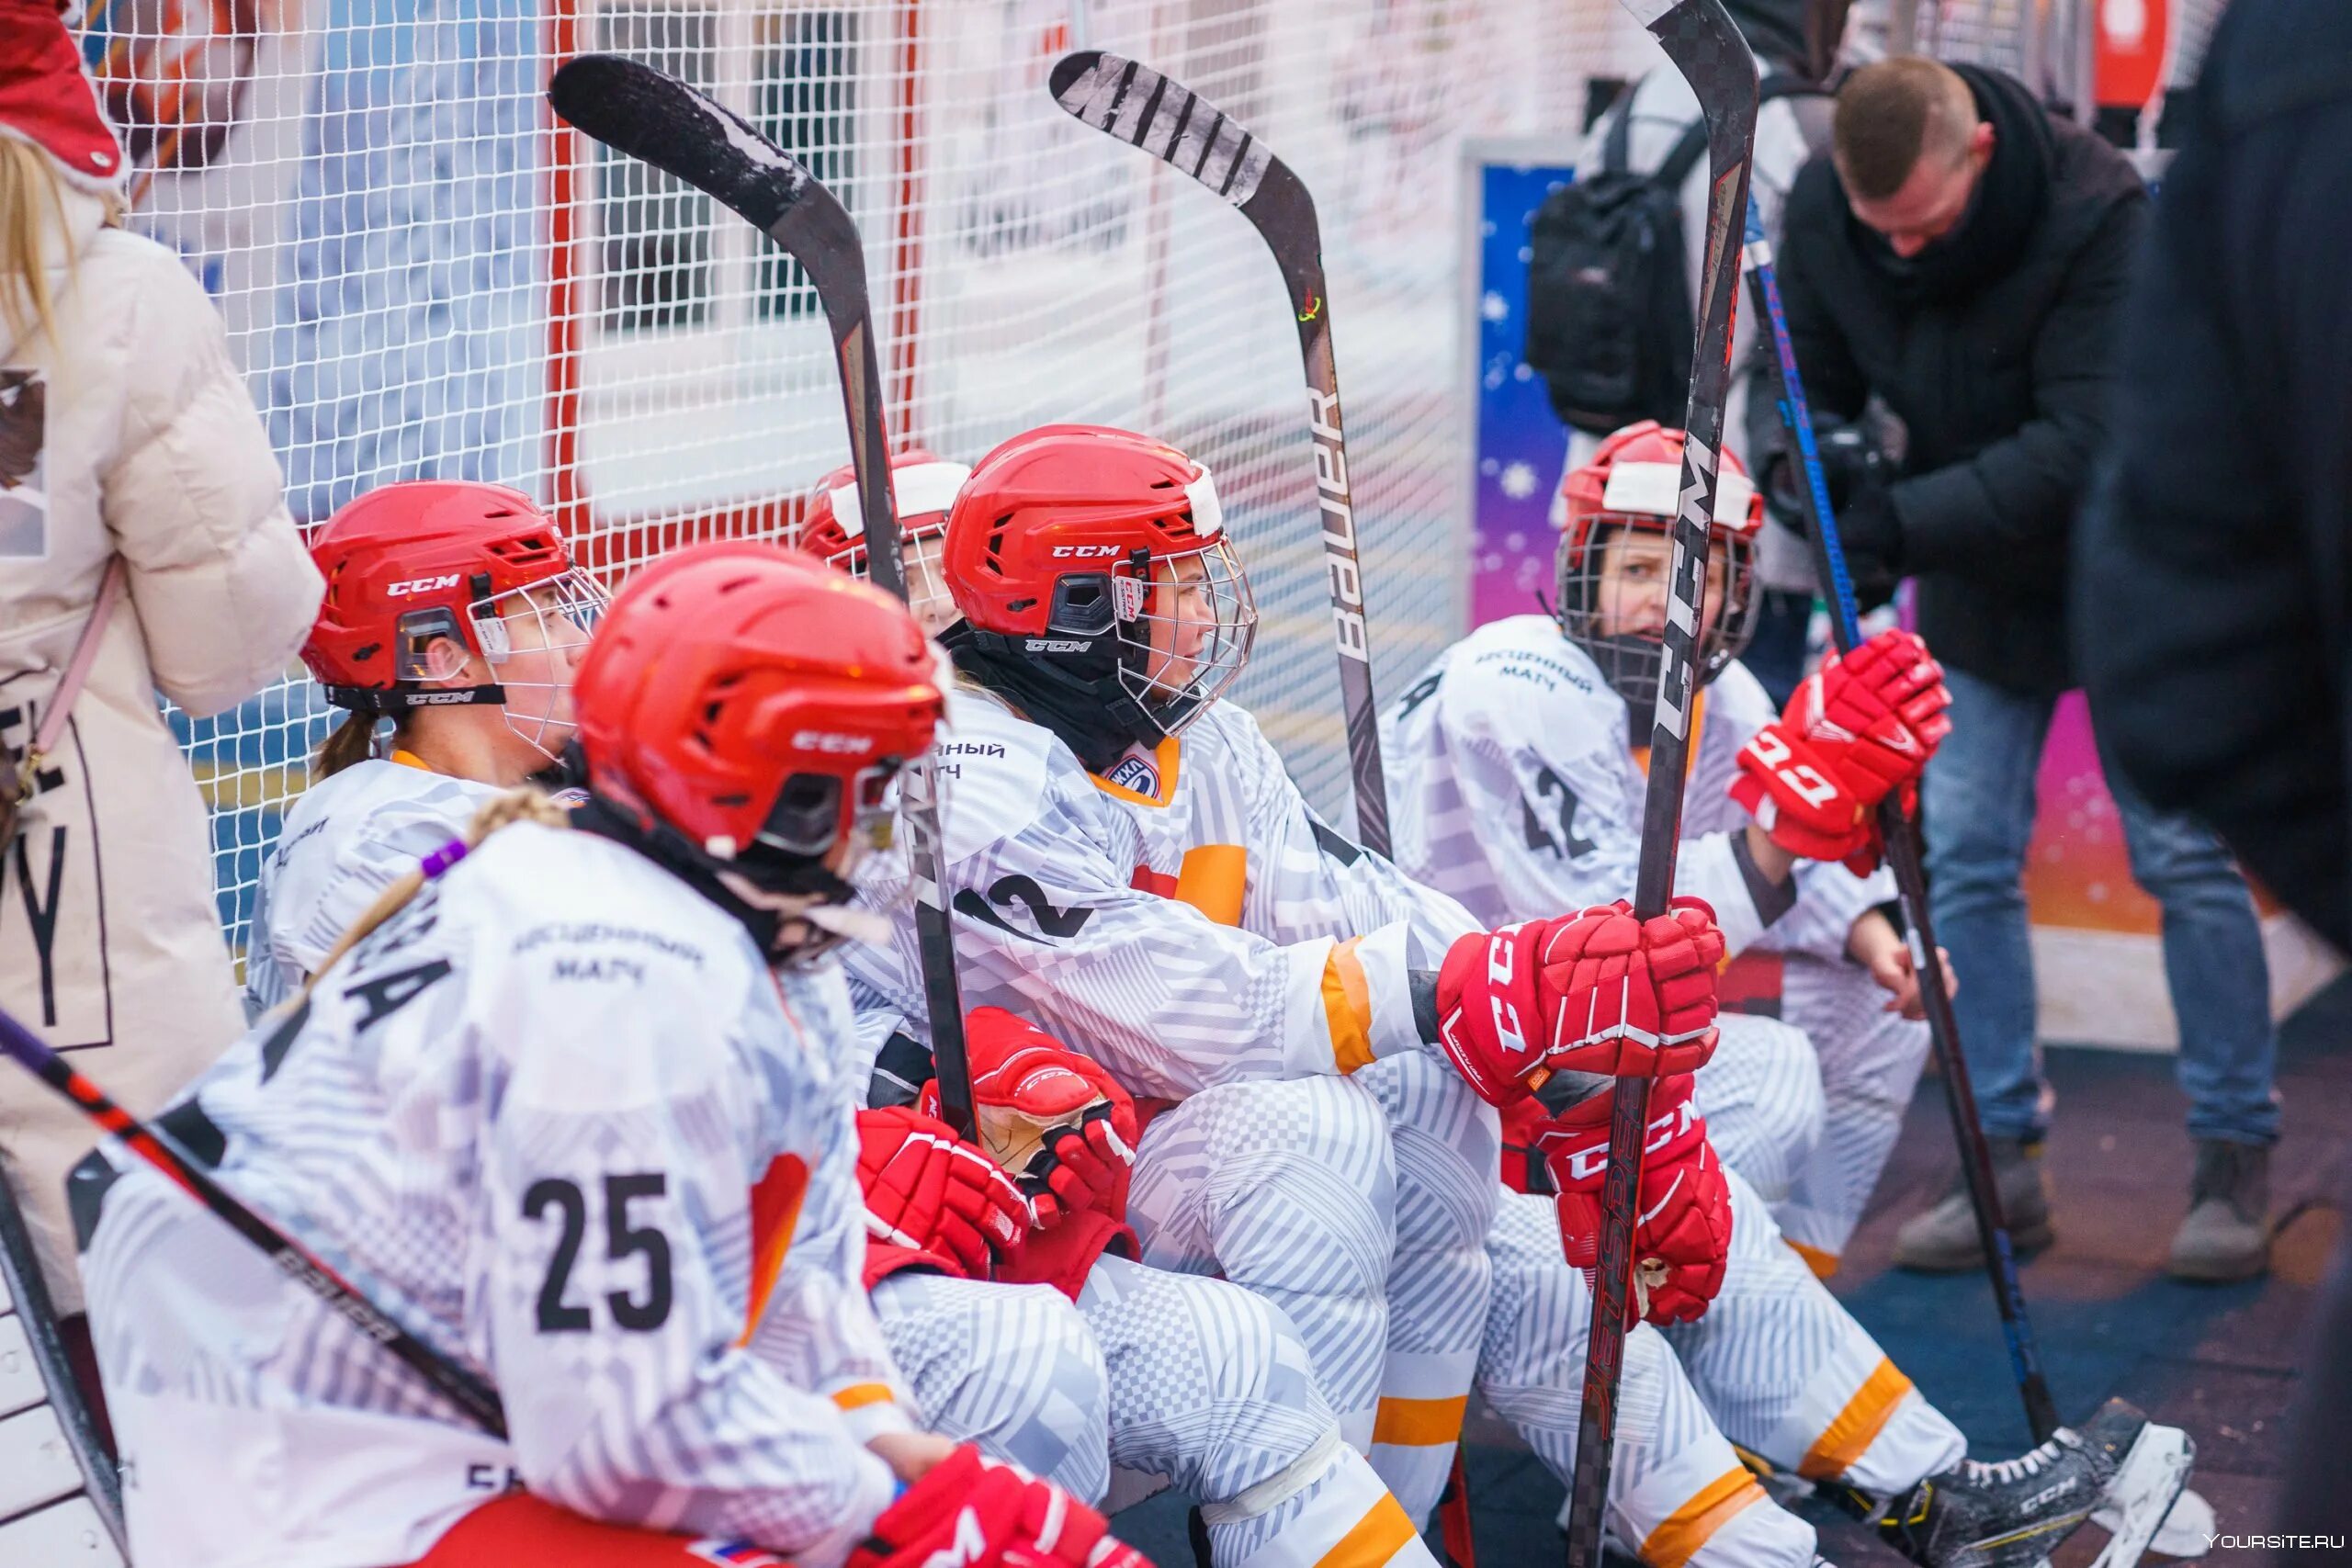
column 2014, row 1513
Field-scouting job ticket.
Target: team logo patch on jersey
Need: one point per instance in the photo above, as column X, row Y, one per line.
column 736, row 1554
column 1138, row 774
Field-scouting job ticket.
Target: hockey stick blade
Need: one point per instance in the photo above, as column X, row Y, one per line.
column 460, row 1387
column 1708, row 50
column 634, row 108
column 2146, row 1485
column 1132, row 103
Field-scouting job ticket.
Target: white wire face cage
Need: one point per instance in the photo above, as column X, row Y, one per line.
column 1200, row 617
column 1632, row 662
column 532, row 638
column 934, row 608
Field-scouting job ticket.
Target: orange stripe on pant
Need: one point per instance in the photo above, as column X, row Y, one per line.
column 1855, row 1427
column 1347, row 1008
column 1418, row 1423
column 1682, row 1533
column 1379, row 1535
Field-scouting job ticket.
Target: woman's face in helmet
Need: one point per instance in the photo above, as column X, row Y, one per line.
column 1635, row 565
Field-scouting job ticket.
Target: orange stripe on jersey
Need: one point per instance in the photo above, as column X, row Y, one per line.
column 858, row 1396
column 1347, row 1008
column 1822, row 1264
column 1212, row 879
column 1682, row 1533
column 776, row 1214
column 1418, row 1423
column 1857, row 1425
column 1375, row 1540
column 1165, row 759
column 1691, row 757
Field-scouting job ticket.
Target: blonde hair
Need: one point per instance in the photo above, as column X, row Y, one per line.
column 31, row 199
column 524, row 805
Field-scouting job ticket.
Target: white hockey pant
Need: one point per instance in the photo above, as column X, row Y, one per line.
column 1870, row 1061
column 1212, row 1387
column 1787, row 1372
column 1761, row 1095
column 1012, row 1368
column 1448, row 1145
column 1287, row 1189
column 1677, row 1494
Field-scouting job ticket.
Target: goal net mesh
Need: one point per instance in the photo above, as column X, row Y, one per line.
column 423, row 276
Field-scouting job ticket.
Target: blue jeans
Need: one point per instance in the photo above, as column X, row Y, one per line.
column 1980, row 806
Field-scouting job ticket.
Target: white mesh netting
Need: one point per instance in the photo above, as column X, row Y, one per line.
column 422, row 278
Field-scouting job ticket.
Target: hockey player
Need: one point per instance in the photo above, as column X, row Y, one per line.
column 1517, row 787
column 566, row 1109
column 453, row 610
column 1139, row 875
column 1210, row 1386
column 1232, row 1414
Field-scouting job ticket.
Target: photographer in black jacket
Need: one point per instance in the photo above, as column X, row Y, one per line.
column 1961, row 257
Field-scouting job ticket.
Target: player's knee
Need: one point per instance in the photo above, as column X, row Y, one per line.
column 1307, row 1171
column 1447, row 1143
column 1038, row 1393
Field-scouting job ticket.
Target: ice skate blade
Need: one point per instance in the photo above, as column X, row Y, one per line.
column 2146, row 1484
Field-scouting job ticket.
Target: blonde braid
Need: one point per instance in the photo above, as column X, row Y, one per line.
column 527, row 803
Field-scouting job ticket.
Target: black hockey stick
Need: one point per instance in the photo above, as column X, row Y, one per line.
column 1901, row 836
column 463, row 1389
column 23, row 1289
column 1704, row 46
column 1138, row 106
column 634, row 108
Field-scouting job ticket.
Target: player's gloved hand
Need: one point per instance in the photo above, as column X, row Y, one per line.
column 1685, row 1230
column 1802, row 802
column 927, row 1190
column 1597, row 991
column 1877, row 713
column 971, row 1510
column 1057, row 1121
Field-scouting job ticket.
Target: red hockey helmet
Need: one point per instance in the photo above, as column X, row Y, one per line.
column 1635, row 482
column 755, row 703
column 1093, row 568
column 411, row 565
column 924, row 487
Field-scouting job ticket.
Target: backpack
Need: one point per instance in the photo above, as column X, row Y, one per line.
column 1609, row 316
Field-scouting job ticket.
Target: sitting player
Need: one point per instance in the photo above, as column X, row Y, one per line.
column 1209, row 1385
column 561, row 1101
column 1516, row 769
column 1140, row 875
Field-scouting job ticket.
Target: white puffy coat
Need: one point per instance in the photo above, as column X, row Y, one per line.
column 110, row 943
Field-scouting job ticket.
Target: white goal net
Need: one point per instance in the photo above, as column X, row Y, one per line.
column 424, row 276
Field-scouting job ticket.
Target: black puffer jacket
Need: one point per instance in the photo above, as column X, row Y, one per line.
column 2215, row 620
column 1995, row 349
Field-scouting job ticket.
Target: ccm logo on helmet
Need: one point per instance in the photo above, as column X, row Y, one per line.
column 825, row 740
column 1083, row 552
column 419, row 585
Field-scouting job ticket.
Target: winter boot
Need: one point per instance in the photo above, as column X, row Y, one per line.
column 1944, row 1241
column 2227, row 1233
column 2013, row 1514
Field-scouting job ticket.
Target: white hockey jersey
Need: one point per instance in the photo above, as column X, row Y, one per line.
column 1186, row 920
column 1513, row 785
column 349, row 837
column 559, row 1118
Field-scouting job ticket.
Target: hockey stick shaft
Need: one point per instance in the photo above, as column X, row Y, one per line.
column 1904, row 854
column 1699, row 38
column 655, row 118
column 469, row 1393
column 20, row 1276
column 1159, row 116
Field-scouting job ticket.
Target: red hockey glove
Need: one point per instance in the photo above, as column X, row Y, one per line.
column 1594, row 992
column 1684, row 1233
column 1056, row 1120
column 926, row 1190
column 1876, row 714
column 968, row 1510
column 1802, row 802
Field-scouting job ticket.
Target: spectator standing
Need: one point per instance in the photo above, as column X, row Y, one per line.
column 2210, row 617
column 1791, row 126
column 125, row 432
column 1963, row 255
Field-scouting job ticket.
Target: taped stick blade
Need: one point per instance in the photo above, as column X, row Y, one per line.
column 658, row 120
column 1129, row 101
